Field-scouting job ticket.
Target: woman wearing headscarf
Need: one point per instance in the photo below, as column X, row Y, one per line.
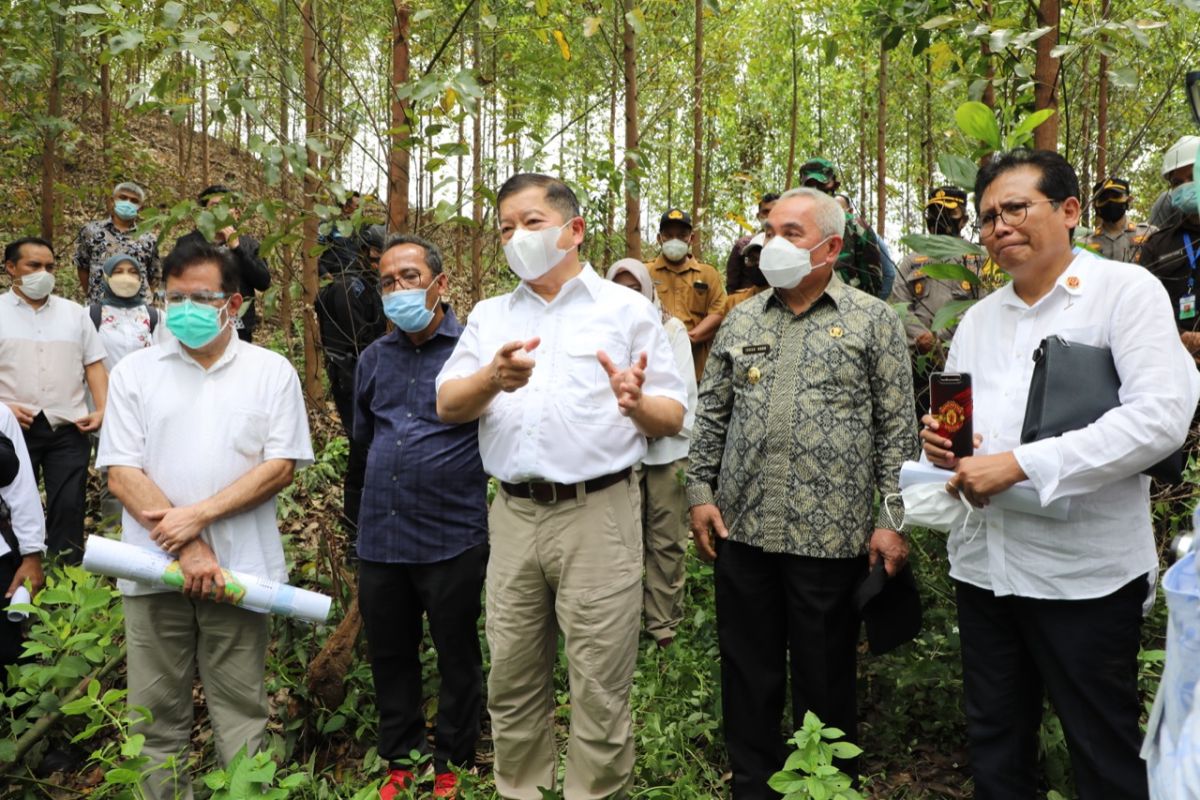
column 664, row 503
column 123, row 319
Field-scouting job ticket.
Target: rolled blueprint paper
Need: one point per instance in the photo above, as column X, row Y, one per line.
column 20, row 597
column 116, row 559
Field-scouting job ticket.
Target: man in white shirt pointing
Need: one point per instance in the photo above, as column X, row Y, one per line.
column 1056, row 606
column 568, row 375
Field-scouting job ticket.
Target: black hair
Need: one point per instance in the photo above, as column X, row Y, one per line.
column 769, row 197
column 194, row 253
column 12, row 250
column 433, row 255
column 209, row 191
column 558, row 194
column 1058, row 180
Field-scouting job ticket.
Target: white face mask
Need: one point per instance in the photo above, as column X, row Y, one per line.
column 37, row 285
column 929, row 505
column 784, row 264
column 675, row 249
column 531, row 254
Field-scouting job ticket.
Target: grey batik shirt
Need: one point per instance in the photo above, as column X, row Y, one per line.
column 803, row 418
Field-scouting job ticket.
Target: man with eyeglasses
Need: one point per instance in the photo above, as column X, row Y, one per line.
column 568, row 375
column 1055, row 606
column 422, row 546
column 253, row 275
column 202, row 431
column 1115, row 237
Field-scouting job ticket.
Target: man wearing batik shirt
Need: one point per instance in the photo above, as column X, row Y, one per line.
column 103, row 238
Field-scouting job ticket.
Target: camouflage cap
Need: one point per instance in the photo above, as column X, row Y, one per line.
column 818, row 170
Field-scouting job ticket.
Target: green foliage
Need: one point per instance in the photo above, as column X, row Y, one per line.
column 809, row 771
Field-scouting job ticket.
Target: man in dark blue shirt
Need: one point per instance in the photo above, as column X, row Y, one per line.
column 422, row 541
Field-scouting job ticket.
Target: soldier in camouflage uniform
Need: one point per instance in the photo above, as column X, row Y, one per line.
column 1115, row 237
column 861, row 262
column 945, row 214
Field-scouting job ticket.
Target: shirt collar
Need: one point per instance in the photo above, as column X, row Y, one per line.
column 689, row 263
column 172, row 348
column 1073, row 280
column 835, row 290
column 15, row 300
column 449, row 327
column 587, row 278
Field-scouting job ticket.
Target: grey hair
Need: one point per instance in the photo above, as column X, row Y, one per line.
column 433, row 255
column 830, row 217
column 130, row 186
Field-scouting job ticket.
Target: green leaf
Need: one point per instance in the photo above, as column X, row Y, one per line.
column 958, row 170
column 941, row 247
column 949, row 272
column 133, row 746
column 87, row 8
column 785, row 782
column 1123, row 77
column 1033, row 120
column 637, row 21
column 950, row 313
column 424, row 13
column 978, row 121
column 122, row 776
column 171, row 14
column 940, row 21
column 125, row 40
column 846, row 750
column 93, row 689
column 334, row 724
column 541, row 7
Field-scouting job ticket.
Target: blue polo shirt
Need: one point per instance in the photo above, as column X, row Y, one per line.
column 425, row 492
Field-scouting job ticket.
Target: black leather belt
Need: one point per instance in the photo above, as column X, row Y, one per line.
column 548, row 493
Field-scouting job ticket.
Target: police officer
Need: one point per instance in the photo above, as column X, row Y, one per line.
column 1115, row 237
column 864, row 262
column 690, row 291
column 924, row 296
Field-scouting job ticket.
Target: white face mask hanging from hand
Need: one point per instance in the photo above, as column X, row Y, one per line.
column 531, row 254
column 784, row 264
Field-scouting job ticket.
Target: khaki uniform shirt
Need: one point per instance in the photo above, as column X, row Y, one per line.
column 925, row 296
column 689, row 291
column 741, row 296
column 1122, row 246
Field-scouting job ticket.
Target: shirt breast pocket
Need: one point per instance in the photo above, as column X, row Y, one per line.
column 1091, row 335
column 250, row 429
column 585, row 386
column 699, row 297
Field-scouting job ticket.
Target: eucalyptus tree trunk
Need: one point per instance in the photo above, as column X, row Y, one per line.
column 633, row 211
column 1045, row 76
column 398, row 159
column 313, row 130
column 698, row 129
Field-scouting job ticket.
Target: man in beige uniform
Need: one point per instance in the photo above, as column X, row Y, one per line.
column 946, row 215
column 689, row 291
column 568, row 376
column 1115, row 237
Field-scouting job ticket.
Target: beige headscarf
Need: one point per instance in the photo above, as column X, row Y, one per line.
column 638, row 270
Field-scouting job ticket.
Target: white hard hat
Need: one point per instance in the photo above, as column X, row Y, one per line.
column 1181, row 154
column 758, row 241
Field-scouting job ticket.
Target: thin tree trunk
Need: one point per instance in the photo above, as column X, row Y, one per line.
column 791, row 162
column 927, row 129
column 312, row 124
column 610, row 201
column 1102, row 108
column 286, row 319
column 398, row 161
column 633, row 212
column 204, row 123
column 50, row 137
column 477, row 172
column 697, row 131
column 1045, row 76
column 880, row 149
column 989, row 91
column 105, row 100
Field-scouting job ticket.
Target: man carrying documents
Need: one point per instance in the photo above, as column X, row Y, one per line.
column 201, row 433
column 1049, row 604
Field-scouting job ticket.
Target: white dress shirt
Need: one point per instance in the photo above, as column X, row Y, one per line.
column 564, row 425
column 195, row 431
column 21, row 496
column 669, row 449
column 1107, row 539
column 43, row 352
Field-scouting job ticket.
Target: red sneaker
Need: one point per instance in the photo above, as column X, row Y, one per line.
column 445, row 784
column 398, row 780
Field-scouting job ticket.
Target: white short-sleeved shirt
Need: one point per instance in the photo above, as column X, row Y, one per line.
column 1107, row 539
column 564, row 425
column 195, row 431
column 43, row 352
column 21, row 496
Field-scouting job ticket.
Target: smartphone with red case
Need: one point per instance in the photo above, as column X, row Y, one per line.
column 950, row 405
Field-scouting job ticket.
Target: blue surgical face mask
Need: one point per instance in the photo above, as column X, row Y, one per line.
column 194, row 324
column 406, row 309
column 125, row 209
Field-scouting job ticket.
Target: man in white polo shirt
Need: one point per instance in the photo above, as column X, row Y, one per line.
column 568, row 375
column 201, row 434
column 49, row 352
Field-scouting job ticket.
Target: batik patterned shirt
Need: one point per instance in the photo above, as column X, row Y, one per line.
column 803, row 419
column 100, row 239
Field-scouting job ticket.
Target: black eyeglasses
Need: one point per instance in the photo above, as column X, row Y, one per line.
column 1013, row 215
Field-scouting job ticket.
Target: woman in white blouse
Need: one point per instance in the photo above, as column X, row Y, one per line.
column 123, row 318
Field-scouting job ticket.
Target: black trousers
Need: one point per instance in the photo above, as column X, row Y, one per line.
column 341, row 385
column 1084, row 654
column 393, row 598
column 60, row 459
column 770, row 606
column 10, row 632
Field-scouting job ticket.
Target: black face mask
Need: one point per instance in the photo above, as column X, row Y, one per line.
column 942, row 224
column 1112, row 212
